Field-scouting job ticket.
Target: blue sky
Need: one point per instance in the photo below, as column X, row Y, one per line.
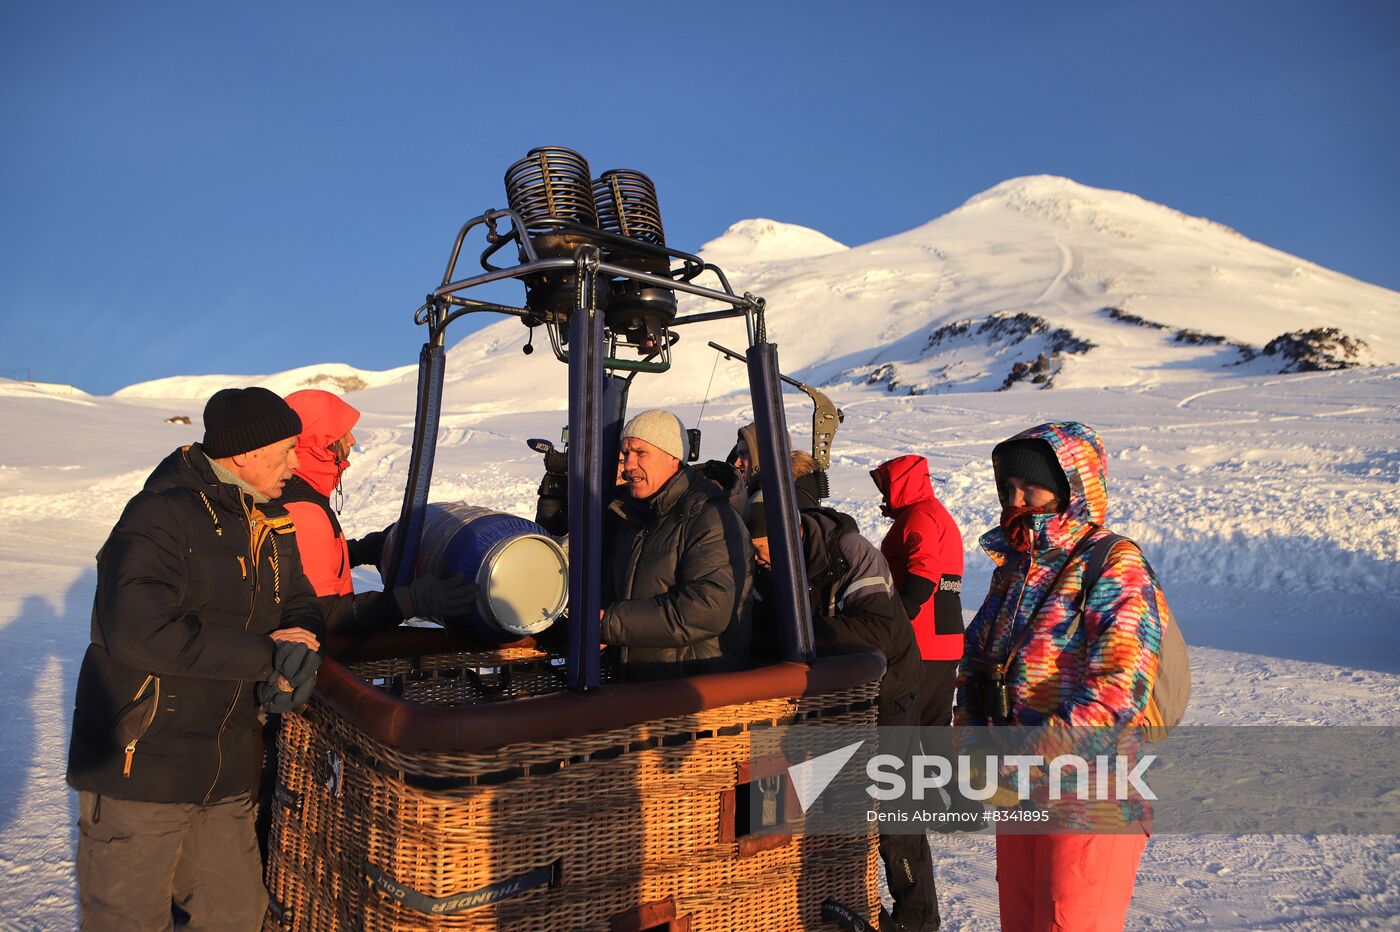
column 197, row 187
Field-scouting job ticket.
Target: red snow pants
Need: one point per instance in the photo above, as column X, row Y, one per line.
column 1066, row 883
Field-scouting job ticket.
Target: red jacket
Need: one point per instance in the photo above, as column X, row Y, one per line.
column 924, row 542
column 325, row 418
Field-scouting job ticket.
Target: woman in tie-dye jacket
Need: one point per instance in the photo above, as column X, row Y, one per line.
column 1068, row 670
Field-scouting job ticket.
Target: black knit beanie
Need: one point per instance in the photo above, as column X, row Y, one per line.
column 1032, row 460
column 237, row 420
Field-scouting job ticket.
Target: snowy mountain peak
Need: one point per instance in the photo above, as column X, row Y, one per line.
column 1067, row 203
column 1038, row 193
column 761, row 240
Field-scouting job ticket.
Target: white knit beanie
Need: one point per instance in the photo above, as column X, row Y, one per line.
column 661, row 429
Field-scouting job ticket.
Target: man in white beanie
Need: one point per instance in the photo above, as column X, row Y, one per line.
column 653, row 447
column 676, row 561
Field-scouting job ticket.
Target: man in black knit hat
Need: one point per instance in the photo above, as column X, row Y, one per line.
column 202, row 615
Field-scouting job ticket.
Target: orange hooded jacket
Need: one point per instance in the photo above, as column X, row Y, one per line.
column 325, row 418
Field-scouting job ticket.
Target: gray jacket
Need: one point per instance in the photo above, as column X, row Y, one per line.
column 676, row 580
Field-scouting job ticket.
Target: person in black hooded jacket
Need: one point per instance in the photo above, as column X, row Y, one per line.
column 202, row 614
column 854, row 602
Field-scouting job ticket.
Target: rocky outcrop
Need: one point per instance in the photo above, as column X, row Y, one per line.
column 1318, row 350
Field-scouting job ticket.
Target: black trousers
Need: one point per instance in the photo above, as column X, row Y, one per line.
column 937, row 688
column 907, row 858
column 934, row 708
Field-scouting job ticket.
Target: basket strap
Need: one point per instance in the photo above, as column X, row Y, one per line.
column 548, row 875
column 844, row 916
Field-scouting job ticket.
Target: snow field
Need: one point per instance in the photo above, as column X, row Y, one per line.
column 1269, row 511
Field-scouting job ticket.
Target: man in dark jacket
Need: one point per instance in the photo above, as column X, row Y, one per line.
column 202, row 614
column 676, row 571
column 853, row 602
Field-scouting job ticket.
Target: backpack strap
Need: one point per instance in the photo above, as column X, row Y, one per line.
column 1094, row 565
column 1098, row 559
column 839, row 564
column 1155, row 720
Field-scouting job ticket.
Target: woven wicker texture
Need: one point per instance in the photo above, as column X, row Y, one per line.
column 628, row 816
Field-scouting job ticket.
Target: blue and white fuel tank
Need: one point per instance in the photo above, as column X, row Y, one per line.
column 522, row 572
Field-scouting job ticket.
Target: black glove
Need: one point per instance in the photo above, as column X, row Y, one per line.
column 367, row 550
column 295, row 663
column 436, row 597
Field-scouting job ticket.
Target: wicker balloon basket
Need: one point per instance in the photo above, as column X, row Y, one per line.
column 431, row 787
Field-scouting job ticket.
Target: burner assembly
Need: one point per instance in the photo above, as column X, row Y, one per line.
column 567, row 227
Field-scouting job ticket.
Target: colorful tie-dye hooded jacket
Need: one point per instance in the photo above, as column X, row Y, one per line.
column 1094, row 671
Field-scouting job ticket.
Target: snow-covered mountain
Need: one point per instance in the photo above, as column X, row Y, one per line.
column 1039, row 282
column 332, row 376
column 1111, row 289
column 752, row 241
column 11, row 387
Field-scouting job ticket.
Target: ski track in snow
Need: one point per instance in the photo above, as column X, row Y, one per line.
column 1267, row 506
column 1066, row 265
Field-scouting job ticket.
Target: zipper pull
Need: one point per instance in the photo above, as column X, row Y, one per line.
column 130, row 753
column 243, row 566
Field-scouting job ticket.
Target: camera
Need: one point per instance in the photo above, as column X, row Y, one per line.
column 989, row 695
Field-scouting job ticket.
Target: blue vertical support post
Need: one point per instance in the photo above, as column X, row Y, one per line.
column 432, row 365
column 586, row 476
column 780, row 506
column 614, row 413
